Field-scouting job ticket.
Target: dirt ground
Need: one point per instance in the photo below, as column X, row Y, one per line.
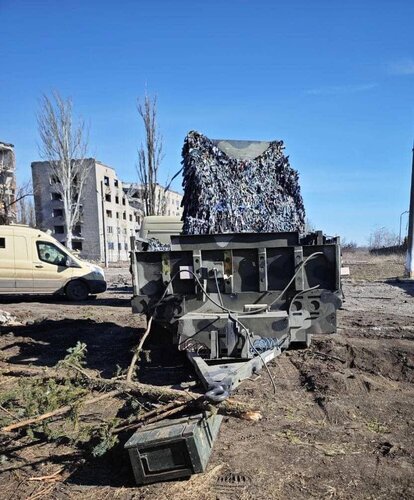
column 339, row 426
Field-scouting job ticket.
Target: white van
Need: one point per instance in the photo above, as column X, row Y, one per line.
column 33, row 262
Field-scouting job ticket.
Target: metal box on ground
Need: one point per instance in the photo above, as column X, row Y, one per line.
column 172, row 449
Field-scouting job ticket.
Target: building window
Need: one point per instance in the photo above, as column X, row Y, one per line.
column 54, row 179
column 106, row 181
column 124, row 215
column 117, row 199
column 57, row 212
column 110, row 229
column 77, row 230
column 110, row 245
column 125, row 231
column 117, row 215
column 130, row 217
column 2, row 242
column 59, row 229
column 118, row 230
column 123, row 201
column 126, row 246
column 77, row 245
column 108, row 197
column 109, row 214
column 119, row 246
column 116, row 183
column 56, row 196
column 137, row 219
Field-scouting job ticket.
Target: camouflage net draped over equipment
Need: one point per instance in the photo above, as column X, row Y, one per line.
column 249, row 188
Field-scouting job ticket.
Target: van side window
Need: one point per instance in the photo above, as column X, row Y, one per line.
column 2, row 242
column 50, row 253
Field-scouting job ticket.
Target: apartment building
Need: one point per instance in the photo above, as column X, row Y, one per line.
column 172, row 204
column 108, row 219
column 168, row 202
column 7, row 183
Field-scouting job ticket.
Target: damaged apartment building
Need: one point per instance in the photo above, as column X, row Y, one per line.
column 168, row 202
column 7, row 183
column 109, row 217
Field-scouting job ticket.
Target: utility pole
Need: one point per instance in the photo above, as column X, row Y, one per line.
column 409, row 265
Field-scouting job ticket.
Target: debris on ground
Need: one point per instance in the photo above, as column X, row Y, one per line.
column 7, row 319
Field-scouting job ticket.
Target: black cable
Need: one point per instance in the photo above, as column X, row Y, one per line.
column 257, row 352
column 265, row 306
column 218, row 288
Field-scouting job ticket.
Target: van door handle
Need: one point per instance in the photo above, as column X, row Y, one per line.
column 39, row 265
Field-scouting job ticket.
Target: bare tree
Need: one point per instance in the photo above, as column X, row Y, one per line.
column 382, row 238
column 149, row 158
column 26, row 212
column 309, row 227
column 64, row 145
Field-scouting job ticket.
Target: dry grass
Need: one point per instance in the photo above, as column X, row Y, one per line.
column 364, row 266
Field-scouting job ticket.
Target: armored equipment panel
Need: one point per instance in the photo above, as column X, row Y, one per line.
column 249, row 269
column 232, row 300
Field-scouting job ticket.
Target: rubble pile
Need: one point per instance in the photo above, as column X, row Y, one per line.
column 7, row 319
column 224, row 193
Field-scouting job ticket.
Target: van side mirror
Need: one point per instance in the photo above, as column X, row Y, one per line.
column 68, row 262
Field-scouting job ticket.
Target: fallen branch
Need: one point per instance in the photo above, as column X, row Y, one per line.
column 138, row 350
column 42, row 492
column 154, row 392
column 55, row 413
column 28, row 371
column 50, row 477
column 159, row 414
column 44, row 372
column 230, row 407
column 77, row 368
column 9, row 413
column 329, row 356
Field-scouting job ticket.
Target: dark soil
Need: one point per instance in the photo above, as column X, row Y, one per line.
column 339, row 426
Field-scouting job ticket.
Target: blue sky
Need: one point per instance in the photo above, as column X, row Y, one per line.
column 333, row 79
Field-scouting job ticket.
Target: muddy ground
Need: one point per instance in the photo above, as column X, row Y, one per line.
column 339, row 426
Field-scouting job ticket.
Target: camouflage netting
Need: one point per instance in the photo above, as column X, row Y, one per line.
column 239, row 186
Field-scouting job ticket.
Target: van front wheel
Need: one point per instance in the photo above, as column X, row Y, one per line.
column 76, row 291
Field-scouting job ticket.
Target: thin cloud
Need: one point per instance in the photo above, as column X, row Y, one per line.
column 341, row 89
column 402, row 67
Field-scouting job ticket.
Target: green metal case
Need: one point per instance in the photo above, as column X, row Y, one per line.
column 172, row 449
